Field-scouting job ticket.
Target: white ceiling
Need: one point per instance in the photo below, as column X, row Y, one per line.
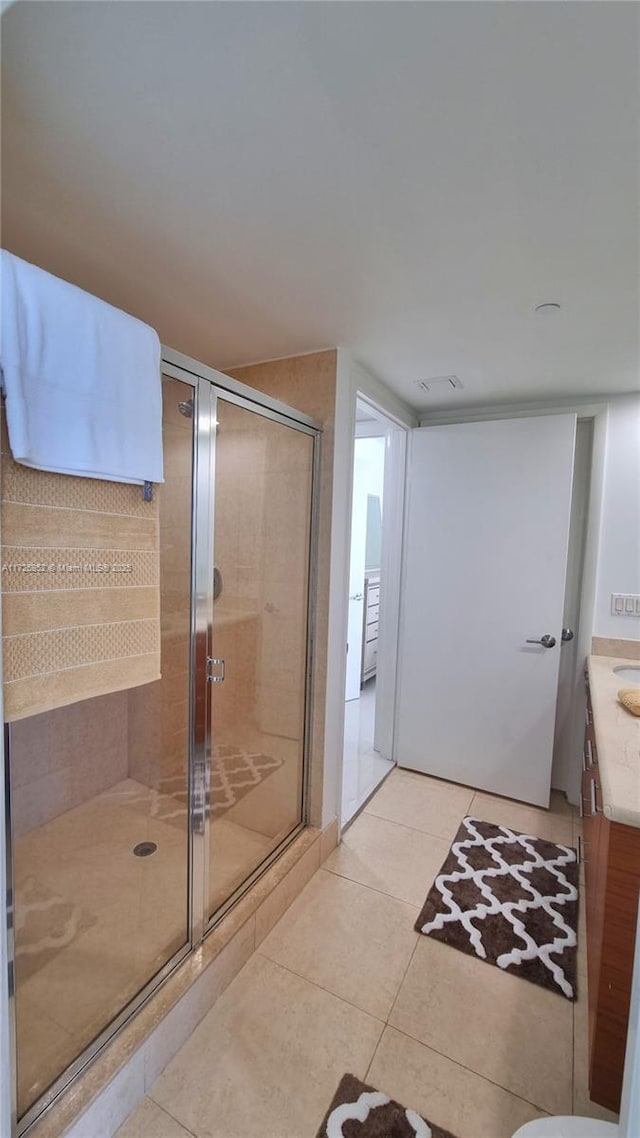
column 407, row 180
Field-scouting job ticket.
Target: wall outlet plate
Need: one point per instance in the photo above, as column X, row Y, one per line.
column 625, row 604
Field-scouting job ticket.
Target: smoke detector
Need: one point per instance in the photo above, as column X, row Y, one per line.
column 439, row 383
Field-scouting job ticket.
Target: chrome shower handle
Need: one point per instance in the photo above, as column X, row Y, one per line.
column 215, row 662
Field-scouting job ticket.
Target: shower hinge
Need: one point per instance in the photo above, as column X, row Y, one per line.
column 215, row 662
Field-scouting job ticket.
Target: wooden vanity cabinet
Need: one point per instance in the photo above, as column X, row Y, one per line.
column 611, row 854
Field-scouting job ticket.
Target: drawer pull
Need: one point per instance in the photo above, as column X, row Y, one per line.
column 581, row 858
column 588, row 753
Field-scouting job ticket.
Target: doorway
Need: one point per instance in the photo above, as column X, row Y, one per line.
column 378, row 478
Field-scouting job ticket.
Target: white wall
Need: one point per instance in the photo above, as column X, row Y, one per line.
column 369, row 454
column 619, row 545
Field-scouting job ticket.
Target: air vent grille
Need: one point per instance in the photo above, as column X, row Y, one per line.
column 439, row 383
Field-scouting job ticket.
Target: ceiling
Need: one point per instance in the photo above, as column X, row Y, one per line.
column 405, row 180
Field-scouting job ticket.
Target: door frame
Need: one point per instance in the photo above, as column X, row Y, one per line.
column 595, row 408
column 353, row 382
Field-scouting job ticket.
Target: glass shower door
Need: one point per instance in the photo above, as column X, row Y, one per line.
column 262, row 544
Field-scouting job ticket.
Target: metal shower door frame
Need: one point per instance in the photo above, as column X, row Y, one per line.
column 210, row 386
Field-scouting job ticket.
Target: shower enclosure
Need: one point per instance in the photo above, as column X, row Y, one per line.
column 138, row 818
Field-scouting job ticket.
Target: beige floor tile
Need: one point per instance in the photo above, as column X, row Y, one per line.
column 424, row 803
column 151, row 1121
column 444, row 1092
column 512, row 1032
column 391, row 858
column 351, row 940
column 553, row 827
column 582, row 1104
column 267, row 1058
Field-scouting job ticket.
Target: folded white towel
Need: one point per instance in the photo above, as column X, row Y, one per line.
column 81, row 379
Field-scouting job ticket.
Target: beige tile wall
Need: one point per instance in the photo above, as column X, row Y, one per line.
column 64, row 757
column 239, row 545
column 73, row 552
column 625, row 649
column 284, row 582
column 158, row 714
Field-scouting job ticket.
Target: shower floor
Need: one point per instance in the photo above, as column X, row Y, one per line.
column 94, row 922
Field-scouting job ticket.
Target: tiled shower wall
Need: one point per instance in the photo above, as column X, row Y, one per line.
column 62, row 758
column 262, row 515
column 158, row 713
column 65, row 757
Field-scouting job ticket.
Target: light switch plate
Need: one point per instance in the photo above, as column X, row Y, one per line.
column 625, row 604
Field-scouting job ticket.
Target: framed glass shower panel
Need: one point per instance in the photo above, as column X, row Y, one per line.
column 262, row 532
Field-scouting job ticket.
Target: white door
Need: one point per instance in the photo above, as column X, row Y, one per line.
column 485, row 562
column 356, row 580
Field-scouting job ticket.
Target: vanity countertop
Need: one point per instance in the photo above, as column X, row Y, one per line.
column 617, row 734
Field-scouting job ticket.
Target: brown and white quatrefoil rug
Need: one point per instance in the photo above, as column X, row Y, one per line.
column 510, row 899
column 359, row 1111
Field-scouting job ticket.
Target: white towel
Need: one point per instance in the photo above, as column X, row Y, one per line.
column 81, row 379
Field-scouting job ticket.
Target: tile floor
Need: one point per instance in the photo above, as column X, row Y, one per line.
column 343, row 983
column 363, row 768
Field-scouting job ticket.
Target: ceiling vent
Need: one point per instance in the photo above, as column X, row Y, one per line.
column 439, row 384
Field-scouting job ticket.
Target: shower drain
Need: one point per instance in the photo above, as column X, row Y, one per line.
column 144, row 849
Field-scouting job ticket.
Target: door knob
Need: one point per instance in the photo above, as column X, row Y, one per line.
column 356, row 597
column 547, row 641
column 567, row 634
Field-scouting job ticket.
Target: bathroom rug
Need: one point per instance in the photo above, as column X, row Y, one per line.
column 511, row 900
column 360, row 1111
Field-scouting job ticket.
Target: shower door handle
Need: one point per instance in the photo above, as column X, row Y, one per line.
column 212, row 663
